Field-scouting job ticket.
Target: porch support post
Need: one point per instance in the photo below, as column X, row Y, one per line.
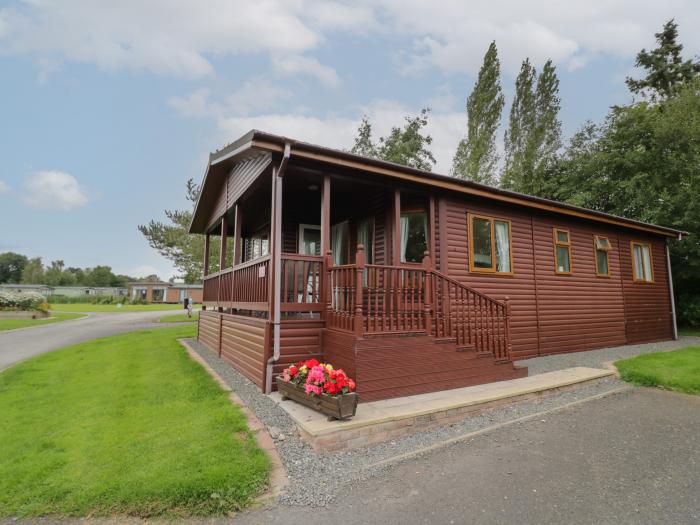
column 222, row 258
column 206, row 255
column 431, row 229
column 326, row 214
column 396, row 252
column 359, row 288
column 428, row 294
column 237, row 235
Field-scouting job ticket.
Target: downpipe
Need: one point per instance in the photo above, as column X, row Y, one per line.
column 277, row 277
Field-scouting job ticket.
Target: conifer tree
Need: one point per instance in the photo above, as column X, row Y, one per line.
column 476, row 155
column 520, row 125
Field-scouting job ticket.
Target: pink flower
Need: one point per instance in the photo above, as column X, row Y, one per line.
column 313, row 389
column 286, row 377
column 317, row 375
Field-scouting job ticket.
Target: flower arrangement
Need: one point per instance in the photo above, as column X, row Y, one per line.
column 318, row 378
column 31, row 301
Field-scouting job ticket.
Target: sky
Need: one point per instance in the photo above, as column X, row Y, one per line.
column 107, row 108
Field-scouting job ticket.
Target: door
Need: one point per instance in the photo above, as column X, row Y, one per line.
column 309, row 239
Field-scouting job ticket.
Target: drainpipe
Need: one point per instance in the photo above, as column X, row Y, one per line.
column 670, row 290
column 277, row 266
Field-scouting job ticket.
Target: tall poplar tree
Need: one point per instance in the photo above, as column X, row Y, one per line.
column 534, row 134
column 476, row 155
column 520, row 125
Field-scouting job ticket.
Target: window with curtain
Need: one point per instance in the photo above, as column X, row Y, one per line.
column 365, row 236
column 414, row 236
column 642, row 264
column 562, row 252
column 339, row 242
column 602, row 262
column 490, row 245
column 256, row 246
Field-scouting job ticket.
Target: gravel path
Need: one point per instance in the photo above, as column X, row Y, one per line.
column 598, row 358
column 315, row 479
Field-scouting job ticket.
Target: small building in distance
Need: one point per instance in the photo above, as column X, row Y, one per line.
column 67, row 291
column 165, row 292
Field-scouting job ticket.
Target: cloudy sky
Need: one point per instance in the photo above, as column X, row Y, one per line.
column 108, row 107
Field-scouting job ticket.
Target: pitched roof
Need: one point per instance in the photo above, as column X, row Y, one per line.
column 256, row 141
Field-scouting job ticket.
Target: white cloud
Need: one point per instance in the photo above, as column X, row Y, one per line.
column 293, row 65
column 54, row 190
column 172, row 36
column 4, row 186
column 196, row 104
column 453, row 35
column 335, row 131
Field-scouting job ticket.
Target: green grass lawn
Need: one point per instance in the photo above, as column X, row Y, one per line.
column 127, row 424
column 11, row 324
column 83, row 307
column 676, row 370
column 179, row 318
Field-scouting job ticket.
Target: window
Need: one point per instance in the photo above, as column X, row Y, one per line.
column 256, row 246
column 489, row 239
column 602, row 261
column 414, row 236
column 562, row 251
column 309, row 239
column 365, row 236
column 642, row 264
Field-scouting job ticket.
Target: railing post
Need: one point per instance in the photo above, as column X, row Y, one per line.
column 359, row 289
column 427, row 294
column 329, row 287
column 509, row 349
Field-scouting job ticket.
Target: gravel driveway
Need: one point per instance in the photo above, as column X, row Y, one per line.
column 18, row 345
column 598, row 358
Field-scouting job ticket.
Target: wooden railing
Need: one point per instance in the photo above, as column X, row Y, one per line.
column 302, row 283
column 245, row 286
column 372, row 299
column 468, row 316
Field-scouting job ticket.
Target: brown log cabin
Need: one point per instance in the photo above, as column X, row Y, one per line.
column 411, row 281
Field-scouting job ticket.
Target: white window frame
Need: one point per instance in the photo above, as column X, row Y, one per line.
column 303, row 227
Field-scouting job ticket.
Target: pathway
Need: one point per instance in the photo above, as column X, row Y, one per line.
column 18, row 345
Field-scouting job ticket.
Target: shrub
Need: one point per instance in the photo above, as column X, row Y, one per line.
column 32, row 301
column 91, row 299
column 689, row 311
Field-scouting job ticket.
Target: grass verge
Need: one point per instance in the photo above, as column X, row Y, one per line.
column 128, row 424
column 179, row 318
column 676, row 370
column 85, row 307
column 12, row 324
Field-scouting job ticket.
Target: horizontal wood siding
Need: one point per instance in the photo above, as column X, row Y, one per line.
column 339, row 350
column 647, row 305
column 238, row 340
column 209, row 330
column 300, row 339
column 519, row 288
column 580, row 311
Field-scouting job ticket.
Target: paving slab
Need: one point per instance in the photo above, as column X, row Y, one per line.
column 375, row 413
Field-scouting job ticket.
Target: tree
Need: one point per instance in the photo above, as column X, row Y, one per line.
column 33, row 272
column 57, row 275
column 173, row 241
column 100, row 276
column 534, row 135
column 408, row 145
column 666, row 71
column 476, row 156
column 643, row 162
column 520, row 124
column 11, row 267
column 363, row 142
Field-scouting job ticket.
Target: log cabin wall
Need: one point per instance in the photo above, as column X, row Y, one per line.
column 300, row 339
column 562, row 313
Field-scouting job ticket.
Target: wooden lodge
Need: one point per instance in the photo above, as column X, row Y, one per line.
column 410, row 281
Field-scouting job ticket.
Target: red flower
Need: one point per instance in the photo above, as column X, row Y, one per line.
column 293, row 370
column 311, row 363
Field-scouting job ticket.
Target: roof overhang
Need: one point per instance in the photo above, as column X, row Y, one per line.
column 257, row 141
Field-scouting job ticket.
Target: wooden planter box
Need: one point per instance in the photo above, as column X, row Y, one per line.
column 338, row 407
